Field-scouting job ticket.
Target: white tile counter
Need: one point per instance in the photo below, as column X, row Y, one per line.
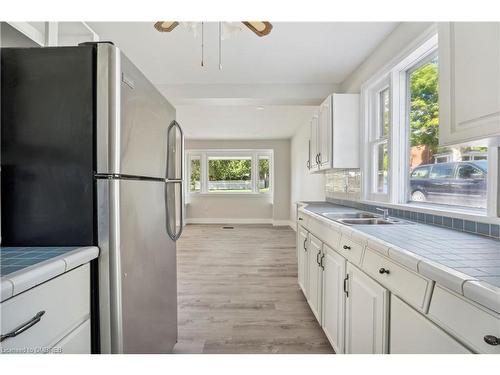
column 464, row 263
column 23, row 268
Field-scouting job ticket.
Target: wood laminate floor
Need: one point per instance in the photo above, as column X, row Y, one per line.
column 238, row 293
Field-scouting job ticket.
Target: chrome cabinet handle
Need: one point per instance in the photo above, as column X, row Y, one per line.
column 321, row 261
column 319, row 158
column 305, row 247
column 308, row 164
column 317, row 257
column 383, row 270
column 492, row 340
column 300, row 219
column 345, row 247
column 23, row 327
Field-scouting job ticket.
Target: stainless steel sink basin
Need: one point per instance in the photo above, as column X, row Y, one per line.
column 373, row 221
column 349, row 215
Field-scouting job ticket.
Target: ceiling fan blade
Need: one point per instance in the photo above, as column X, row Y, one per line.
column 166, row 26
column 261, row 28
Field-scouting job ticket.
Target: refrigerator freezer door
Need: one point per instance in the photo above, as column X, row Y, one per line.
column 142, row 261
column 132, row 118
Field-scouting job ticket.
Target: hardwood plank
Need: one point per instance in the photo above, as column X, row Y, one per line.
column 238, row 293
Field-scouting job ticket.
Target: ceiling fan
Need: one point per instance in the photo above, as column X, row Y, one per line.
column 260, row 28
column 226, row 29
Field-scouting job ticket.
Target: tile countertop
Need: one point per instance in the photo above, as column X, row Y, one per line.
column 22, row 268
column 465, row 263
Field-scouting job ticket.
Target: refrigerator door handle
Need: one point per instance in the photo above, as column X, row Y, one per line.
column 174, row 124
column 174, row 235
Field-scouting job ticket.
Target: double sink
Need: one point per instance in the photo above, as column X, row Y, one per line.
column 362, row 218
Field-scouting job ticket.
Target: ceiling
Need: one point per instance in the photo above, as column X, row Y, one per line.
column 288, row 72
column 294, row 52
column 242, row 122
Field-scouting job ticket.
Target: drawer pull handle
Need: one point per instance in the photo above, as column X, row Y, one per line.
column 492, row 340
column 305, row 247
column 23, row 327
column 300, row 218
column 383, row 270
column 346, row 247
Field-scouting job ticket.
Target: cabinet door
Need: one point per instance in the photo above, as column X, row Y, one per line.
column 469, row 80
column 302, row 263
column 314, row 276
column 325, row 134
column 76, row 342
column 366, row 314
column 334, row 298
column 314, row 149
column 413, row 333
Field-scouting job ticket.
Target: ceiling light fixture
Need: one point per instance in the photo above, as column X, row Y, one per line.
column 225, row 31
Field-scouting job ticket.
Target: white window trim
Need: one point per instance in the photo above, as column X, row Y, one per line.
column 396, row 71
column 204, row 155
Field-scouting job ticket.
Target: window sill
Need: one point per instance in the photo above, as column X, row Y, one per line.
column 456, row 213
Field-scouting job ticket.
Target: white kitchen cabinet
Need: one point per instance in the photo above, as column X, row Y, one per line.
column 413, row 333
column 302, row 260
column 50, row 311
column 367, row 306
column 315, row 276
column 325, row 134
column 334, row 298
column 334, row 139
column 313, row 144
column 76, row 342
column 469, row 81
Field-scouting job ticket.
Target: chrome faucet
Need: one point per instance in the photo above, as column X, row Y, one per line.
column 385, row 211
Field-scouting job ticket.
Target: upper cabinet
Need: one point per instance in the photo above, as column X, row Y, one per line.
column 335, row 134
column 469, row 92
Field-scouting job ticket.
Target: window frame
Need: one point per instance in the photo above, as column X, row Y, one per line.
column 205, row 155
column 397, row 72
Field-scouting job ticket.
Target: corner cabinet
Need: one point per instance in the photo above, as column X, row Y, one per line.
column 334, row 139
column 302, row 261
column 469, row 81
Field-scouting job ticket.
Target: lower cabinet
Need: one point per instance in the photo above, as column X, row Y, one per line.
column 413, row 333
column 76, row 342
column 367, row 306
column 54, row 316
column 302, row 261
column 315, row 276
column 334, row 266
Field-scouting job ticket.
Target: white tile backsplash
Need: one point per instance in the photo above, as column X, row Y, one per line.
column 343, row 184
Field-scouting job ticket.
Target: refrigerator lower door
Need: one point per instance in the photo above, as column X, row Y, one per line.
column 142, row 269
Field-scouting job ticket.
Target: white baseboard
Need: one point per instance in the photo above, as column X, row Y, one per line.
column 284, row 223
column 204, row 220
column 240, row 221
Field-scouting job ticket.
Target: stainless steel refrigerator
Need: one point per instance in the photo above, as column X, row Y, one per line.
column 92, row 155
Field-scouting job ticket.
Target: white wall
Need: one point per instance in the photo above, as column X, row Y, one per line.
column 304, row 186
column 240, row 209
column 392, row 46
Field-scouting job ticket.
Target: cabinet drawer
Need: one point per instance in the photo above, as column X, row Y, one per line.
column 66, row 302
column 326, row 233
column 409, row 286
column 465, row 320
column 351, row 250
